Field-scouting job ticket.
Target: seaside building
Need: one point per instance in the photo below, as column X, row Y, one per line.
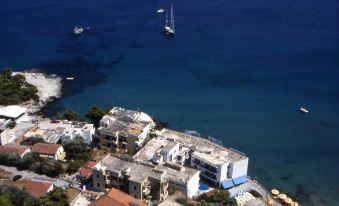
column 83, row 130
column 54, row 151
column 124, row 129
column 140, row 181
column 169, row 155
column 15, row 149
column 14, row 113
column 219, row 166
column 117, row 198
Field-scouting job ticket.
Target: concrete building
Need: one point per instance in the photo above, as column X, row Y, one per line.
column 140, row 181
column 85, row 131
column 169, row 156
column 124, row 129
column 14, row 113
column 219, row 166
column 54, row 151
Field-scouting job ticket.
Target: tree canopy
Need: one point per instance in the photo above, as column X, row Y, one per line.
column 57, row 197
column 70, row 115
column 14, row 89
column 95, row 114
column 10, row 195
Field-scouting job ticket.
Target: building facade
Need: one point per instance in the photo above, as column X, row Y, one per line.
column 124, row 129
column 140, row 181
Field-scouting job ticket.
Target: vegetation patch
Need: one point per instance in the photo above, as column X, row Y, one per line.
column 218, row 197
column 15, row 90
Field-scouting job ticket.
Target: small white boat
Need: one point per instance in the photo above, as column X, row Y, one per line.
column 78, row 30
column 70, row 78
column 160, row 11
column 303, row 110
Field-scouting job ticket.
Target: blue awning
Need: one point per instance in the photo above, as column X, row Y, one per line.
column 227, row 184
column 240, row 180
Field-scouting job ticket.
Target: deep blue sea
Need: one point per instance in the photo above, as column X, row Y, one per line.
column 237, row 70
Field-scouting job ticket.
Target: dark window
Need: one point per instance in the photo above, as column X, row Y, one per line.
column 135, row 187
column 98, row 176
column 98, row 184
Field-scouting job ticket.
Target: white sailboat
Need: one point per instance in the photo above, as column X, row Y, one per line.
column 169, row 29
column 160, row 10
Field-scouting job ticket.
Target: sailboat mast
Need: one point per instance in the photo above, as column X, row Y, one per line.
column 166, row 22
column 172, row 16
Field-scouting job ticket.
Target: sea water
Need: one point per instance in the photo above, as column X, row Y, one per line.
column 237, row 70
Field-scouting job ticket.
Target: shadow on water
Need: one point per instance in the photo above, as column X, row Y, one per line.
column 85, row 73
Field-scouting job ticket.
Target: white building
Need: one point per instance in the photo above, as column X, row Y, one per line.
column 14, row 113
column 86, row 132
column 223, row 169
column 124, row 129
column 219, row 166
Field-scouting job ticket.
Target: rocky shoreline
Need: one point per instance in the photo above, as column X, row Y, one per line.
column 49, row 88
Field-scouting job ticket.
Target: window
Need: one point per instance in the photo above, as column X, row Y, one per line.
column 135, row 187
column 98, row 176
column 98, row 184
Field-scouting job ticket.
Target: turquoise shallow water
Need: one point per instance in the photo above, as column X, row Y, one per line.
column 236, row 70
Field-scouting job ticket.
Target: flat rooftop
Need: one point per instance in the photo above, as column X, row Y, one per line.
column 137, row 171
column 131, row 128
column 145, row 155
column 203, row 148
column 206, row 149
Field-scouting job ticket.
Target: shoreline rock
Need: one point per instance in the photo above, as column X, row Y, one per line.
column 49, row 88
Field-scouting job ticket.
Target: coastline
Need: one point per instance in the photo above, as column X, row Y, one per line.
column 49, row 88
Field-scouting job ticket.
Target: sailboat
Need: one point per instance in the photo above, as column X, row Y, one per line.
column 169, row 25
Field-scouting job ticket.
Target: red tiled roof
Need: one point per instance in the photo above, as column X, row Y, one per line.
column 89, row 165
column 10, row 149
column 86, row 169
column 84, row 172
column 37, row 188
column 42, row 148
column 116, row 198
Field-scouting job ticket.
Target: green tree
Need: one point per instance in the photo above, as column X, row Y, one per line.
column 10, row 195
column 77, row 149
column 33, row 140
column 70, row 115
column 95, row 114
column 57, row 197
column 5, row 201
column 74, row 166
column 14, row 89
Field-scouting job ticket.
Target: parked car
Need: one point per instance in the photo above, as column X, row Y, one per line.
column 17, row 177
column 55, row 121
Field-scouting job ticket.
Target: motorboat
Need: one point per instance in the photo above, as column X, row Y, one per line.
column 303, row 110
column 70, row 78
column 160, row 10
column 78, row 30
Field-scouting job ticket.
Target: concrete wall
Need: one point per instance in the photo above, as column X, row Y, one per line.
column 135, row 190
column 239, row 168
column 222, row 172
column 98, row 180
column 193, row 186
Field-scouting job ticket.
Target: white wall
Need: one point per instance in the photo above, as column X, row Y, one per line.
column 193, row 186
column 239, row 168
